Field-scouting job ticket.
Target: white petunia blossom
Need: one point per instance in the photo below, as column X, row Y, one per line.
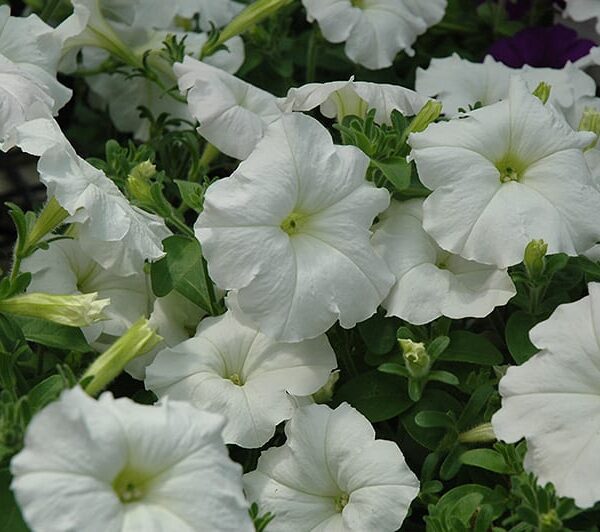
column 114, row 233
column 233, row 114
column 430, row 281
column 117, row 466
column 459, row 83
column 553, row 400
column 498, row 181
column 123, row 94
column 375, row 30
column 235, row 370
column 29, row 53
column 580, row 10
column 288, row 232
column 342, row 98
column 65, row 268
column 332, row 475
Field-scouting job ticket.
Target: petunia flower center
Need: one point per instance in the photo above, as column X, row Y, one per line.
column 293, row 223
column 510, row 170
column 130, row 486
column 341, row 501
column 358, row 3
column 236, row 379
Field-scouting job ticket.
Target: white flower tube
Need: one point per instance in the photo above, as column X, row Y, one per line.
column 332, row 475
column 498, row 181
column 117, row 466
column 553, row 401
column 288, row 232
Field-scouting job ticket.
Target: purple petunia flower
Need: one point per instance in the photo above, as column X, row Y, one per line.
column 549, row 47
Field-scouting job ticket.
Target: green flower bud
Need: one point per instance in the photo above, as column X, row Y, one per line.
column 481, row 434
column 542, row 91
column 72, row 310
column 138, row 182
column 550, row 522
column 590, row 121
column 416, row 358
column 139, row 339
column 534, row 258
column 430, row 112
column 325, row 394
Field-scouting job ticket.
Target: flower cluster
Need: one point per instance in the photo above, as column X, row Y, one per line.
column 299, row 310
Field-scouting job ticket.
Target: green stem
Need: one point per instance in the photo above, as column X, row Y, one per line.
column 209, row 154
column 175, row 222
column 311, row 55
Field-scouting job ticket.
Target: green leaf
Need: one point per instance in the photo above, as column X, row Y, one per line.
column 183, row 269
column 444, row 376
column 472, row 348
column 45, row 392
column 192, row 194
column 485, row 459
column 438, row 346
column 393, row 368
column 517, row 336
column 433, row 419
column 396, row 170
column 52, row 334
column 378, row 334
column 10, row 516
column 376, row 395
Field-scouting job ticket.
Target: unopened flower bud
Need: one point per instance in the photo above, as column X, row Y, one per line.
column 534, row 258
column 325, row 394
column 430, row 112
column 481, row 434
column 138, row 182
column 542, row 91
column 590, row 121
column 139, row 339
column 72, row 310
column 550, row 522
column 416, row 358
column 51, row 216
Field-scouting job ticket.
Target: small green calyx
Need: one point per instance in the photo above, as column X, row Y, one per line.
column 534, row 258
column 293, row 223
column 236, row 379
column 550, row 522
column 130, row 486
column 542, row 92
column 341, row 502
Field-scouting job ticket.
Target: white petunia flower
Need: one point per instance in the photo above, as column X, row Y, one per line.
column 65, row 268
column 114, row 233
column 233, row 114
column 498, row 181
column 580, row 10
column 458, row 83
column 553, row 400
column 430, row 281
column 342, row 98
column 235, row 370
column 117, row 466
column 332, row 475
column 29, row 53
column 288, row 232
column 375, row 30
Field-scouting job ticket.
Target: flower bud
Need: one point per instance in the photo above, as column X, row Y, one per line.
column 72, row 310
column 416, row 358
column 430, row 112
column 138, row 182
column 139, row 339
column 534, row 258
column 542, row 91
column 325, row 394
column 481, row 434
column 590, row 121
column 550, row 522
column 50, row 218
